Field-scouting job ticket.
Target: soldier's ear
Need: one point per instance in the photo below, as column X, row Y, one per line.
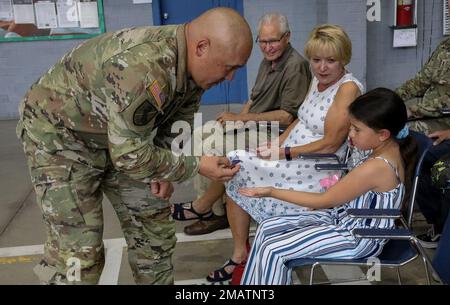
column 202, row 47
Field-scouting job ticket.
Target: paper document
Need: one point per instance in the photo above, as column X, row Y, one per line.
column 67, row 13
column 45, row 15
column 405, row 38
column 88, row 14
column 23, row 11
column 6, row 10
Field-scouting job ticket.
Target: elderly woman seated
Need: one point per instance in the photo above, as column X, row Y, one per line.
column 322, row 127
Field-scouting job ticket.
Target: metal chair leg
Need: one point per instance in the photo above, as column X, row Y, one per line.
column 426, row 271
column 398, row 276
column 311, row 275
column 426, row 260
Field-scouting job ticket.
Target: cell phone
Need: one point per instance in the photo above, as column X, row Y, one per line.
column 235, row 161
column 445, row 111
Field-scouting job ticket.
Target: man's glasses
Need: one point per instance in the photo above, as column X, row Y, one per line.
column 272, row 42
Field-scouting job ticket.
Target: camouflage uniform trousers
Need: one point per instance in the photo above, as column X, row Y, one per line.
column 440, row 172
column 240, row 139
column 69, row 187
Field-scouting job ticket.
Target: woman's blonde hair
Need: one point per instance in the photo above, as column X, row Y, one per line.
column 332, row 37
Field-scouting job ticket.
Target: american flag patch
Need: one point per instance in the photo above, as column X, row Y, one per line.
column 155, row 91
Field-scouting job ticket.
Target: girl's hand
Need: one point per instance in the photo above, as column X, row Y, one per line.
column 256, row 191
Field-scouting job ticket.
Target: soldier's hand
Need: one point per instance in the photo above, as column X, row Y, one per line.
column 162, row 189
column 409, row 113
column 440, row 136
column 217, row 168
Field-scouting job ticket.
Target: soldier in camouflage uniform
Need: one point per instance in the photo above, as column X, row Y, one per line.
column 99, row 122
column 429, row 92
column 440, row 175
column 426, row 95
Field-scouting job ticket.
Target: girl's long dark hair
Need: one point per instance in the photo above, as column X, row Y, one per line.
column 382, row 108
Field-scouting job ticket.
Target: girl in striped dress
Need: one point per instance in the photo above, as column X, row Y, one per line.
column 378, row 121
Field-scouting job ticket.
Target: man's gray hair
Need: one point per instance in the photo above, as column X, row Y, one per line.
column 275, row 17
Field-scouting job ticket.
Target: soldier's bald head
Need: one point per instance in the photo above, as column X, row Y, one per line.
column 224, row 26
column 220, row 34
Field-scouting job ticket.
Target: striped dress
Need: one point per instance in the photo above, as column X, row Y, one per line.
column 317, row 234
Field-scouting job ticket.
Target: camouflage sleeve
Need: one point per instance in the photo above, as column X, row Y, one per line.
column 430, row 85
column 130, row 143
column 430, row 72
column 417, row 86
column 185, row 113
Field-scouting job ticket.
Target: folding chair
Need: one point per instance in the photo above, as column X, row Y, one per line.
column 402, row 246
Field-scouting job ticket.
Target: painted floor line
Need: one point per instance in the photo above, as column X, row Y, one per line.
column 216, row 235
column 22, row 251
column 181, row 237
column 114, row 250
column 113, row 260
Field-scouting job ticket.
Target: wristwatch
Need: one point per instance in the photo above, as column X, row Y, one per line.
column 287, row 153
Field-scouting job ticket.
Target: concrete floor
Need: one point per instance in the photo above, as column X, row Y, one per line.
column 22, row 233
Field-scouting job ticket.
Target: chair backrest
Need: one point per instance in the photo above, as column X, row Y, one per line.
column 423, row 143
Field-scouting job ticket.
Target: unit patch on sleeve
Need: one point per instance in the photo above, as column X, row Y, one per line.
column 155, row 90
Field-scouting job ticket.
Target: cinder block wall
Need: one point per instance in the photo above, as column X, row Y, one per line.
column 390, row 67
column 374, row 60
column 22, row 63
column 303, row 16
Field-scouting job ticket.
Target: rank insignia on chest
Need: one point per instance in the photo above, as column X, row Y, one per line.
column 155, row 90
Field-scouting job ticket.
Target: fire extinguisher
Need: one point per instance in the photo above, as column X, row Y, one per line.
column 404, row 12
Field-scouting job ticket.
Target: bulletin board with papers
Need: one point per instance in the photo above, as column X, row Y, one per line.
column 22, row 20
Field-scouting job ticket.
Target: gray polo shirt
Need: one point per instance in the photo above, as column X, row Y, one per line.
column 284, row 87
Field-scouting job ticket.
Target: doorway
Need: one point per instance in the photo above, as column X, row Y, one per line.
column 182, row 11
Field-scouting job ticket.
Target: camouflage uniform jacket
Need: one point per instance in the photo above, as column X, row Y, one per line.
column 112, row 92
column 432, row 86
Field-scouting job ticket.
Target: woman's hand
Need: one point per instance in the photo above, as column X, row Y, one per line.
column 267, row 152
column 256, row 191
column 263, row 150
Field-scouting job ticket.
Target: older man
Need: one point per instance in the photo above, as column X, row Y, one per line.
column 88, row 127
column 281, row 85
